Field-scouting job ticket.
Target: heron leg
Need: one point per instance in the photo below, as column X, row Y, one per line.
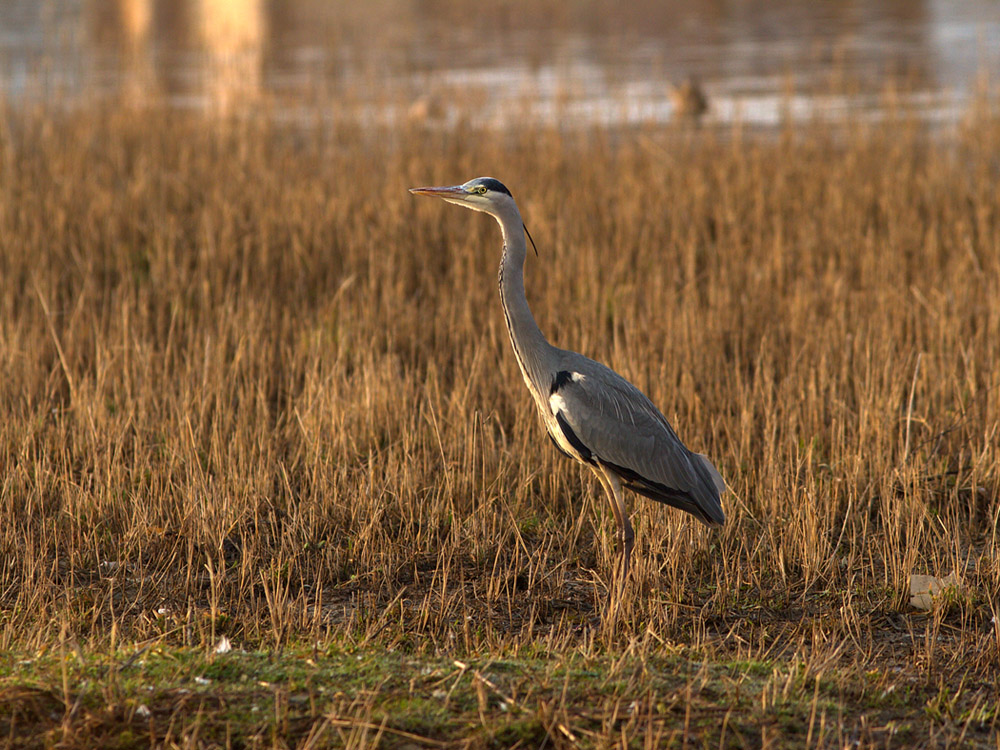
column 626, row 535
column 618, row 529
column 625, row 532
column 628, row 542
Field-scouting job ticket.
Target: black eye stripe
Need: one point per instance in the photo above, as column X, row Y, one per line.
column 495, row 185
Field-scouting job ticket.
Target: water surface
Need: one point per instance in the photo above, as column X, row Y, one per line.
column 507, row 63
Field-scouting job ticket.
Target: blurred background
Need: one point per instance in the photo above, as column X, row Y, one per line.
column 505, row 62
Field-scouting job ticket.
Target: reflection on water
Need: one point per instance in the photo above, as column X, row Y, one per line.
column 200, row 52
column 434, row 61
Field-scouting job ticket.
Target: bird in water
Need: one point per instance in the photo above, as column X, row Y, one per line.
column 689, row 100
column 591, row 413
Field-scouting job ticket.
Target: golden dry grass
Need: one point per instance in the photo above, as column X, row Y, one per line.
column 252, row 387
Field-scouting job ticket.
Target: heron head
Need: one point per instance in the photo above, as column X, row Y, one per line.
column 481, row 194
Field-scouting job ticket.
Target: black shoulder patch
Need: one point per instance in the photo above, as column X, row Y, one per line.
column 562, row 378
column 495, row 185
column 577, row 444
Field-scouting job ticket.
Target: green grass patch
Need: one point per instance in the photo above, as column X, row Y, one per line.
column 340, row 695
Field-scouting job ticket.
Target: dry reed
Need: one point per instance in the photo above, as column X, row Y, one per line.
column 252, row 387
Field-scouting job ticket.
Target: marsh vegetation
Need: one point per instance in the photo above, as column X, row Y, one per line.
column 252, row 388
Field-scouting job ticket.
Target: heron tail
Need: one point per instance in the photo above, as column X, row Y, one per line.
column 717, row 480
column 714, row 513
column 702, row 501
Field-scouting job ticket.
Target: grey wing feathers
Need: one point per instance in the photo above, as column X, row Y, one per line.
column 627, row 434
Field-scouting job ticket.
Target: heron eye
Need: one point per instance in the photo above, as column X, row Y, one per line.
column 481, row 190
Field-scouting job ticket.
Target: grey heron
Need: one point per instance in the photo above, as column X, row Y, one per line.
column 591, row 413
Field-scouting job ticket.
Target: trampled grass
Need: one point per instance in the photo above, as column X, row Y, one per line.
column 252, row 388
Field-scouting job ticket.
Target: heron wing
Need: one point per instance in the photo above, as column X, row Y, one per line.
column 605, row 416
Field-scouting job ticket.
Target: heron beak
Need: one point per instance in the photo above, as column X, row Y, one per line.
column 453, row 191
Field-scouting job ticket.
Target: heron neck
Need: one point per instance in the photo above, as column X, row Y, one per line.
column 530, row 347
